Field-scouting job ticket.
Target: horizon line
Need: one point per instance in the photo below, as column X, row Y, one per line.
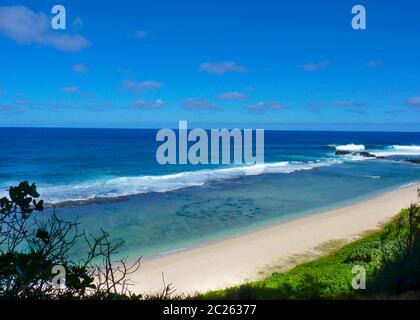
column 205, row 128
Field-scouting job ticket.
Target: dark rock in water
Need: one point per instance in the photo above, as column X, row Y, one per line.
column 380, row 157
column 359, row 153
column 342, row 153
column 365, row 154
column 416, row 161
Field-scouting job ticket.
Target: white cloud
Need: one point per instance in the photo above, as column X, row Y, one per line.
column 155, row 104
column 140, row 86
column 199, row 104
column 25, row 26
column 314, row 67
column 413, row 102
column 235, row 96
column 353, row 106
column 63, row 105
column 72, row 89
column 221, row 68
column 337, row 103
column 24, row 102
column 262, row 107
column 347, row 103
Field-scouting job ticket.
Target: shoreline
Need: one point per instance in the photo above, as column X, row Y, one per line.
column 273, row 222
column 230, row 261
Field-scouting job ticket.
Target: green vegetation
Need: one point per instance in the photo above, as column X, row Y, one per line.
column 35, row 255
column 391, row 258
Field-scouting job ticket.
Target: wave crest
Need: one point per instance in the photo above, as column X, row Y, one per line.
column 127, row 186
column 350, row 147
column 399, row 150
column 411, row 148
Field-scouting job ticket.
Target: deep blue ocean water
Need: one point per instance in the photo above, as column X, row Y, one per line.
column 156, row 208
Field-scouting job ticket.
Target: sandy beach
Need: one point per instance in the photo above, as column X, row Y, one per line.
column 247, row 257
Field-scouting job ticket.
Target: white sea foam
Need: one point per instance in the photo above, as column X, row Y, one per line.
column 413, row 148
column 350, row 147
column 125, row 186
column 394, row 150
column 351, row 157
column 399, row 150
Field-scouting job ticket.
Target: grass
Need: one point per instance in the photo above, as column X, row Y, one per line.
column 390, row 258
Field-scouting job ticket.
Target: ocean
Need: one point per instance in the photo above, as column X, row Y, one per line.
column 110, row 179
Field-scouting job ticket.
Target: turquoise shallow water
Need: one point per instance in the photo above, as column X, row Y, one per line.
column 156, row 223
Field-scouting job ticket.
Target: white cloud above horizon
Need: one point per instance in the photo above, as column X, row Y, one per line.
column 199, row 104
column 24, row 102
column 314, row 67
column 234, row 96
column 220, row 68
column 155, row 104
column 25, row 27
column 413, row 102
column 71, row 89
column 337, row 103
column 133, row 86
column 262, row 107
column 62, row 105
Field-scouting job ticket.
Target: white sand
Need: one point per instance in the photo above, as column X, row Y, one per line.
column 243, row 258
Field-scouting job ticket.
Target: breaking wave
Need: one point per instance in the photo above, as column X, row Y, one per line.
column 380, row 150
column 399, row 150
column 126, row 186
column 350, row 147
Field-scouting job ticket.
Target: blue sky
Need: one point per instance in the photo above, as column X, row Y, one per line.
column 259, row 64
